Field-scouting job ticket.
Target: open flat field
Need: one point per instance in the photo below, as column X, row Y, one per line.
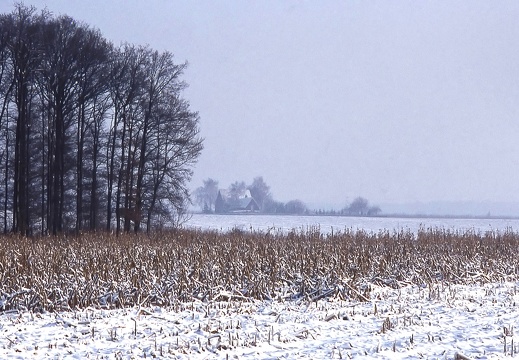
column 193, row 294
column 329, row 224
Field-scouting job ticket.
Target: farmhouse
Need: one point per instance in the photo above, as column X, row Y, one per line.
column 225, row 203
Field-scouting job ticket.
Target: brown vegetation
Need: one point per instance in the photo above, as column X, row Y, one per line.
column 163, row 269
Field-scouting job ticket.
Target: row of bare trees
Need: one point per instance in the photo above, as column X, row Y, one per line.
column 92, row 136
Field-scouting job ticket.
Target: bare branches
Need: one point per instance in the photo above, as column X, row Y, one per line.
column 89, row 132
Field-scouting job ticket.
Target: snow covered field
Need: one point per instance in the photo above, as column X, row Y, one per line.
column 434, row 321
column 478, row 322
column 327, row 224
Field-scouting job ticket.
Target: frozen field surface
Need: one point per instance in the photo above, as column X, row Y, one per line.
column 327, row 224
column 414, row 322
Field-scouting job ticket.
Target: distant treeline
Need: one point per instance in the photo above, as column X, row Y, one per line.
column 358, row 207
column 206, row 198
column 92, row 136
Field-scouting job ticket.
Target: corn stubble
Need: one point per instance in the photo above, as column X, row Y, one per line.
column 168, row 268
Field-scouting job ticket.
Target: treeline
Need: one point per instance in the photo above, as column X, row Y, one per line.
column 92, row 136
column 205, row 197
column 358, row 207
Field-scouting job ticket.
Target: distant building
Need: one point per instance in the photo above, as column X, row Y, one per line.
column 227, row 204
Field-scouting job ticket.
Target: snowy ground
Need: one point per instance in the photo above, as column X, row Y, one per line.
column 327, row 224
column 411, row 323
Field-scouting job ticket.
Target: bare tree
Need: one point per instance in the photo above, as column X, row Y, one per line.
column 295, row 207
column 237, row 189
column 6, row 93
column 88, row 131
column 92, row 100
column 153, row 138
column 360, row 207
column 174, row 146
column 205, row 196
column 260, row 191
column 126, row 86
column 161, row 82
column 22, row 41
column 374, row 211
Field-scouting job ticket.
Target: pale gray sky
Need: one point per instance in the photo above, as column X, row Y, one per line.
column 397, row 101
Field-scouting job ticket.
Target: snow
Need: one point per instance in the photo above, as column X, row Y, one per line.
column 327, row 224
column 409, row 323
column 435, row 321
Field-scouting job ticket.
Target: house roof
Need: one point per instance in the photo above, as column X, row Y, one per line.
column 237, row 204
column 243, row 202
column 226, row 195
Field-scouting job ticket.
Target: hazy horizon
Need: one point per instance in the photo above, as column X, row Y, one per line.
column 399, row 102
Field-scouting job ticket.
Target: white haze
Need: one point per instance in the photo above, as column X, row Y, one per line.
column 399, row 102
